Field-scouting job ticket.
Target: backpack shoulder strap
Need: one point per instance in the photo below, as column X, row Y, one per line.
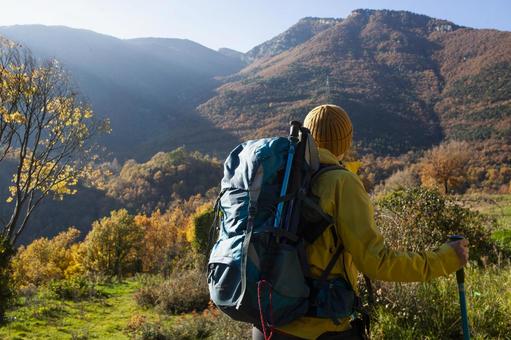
column 325, row 168
column 328, row 219
column 311, row 202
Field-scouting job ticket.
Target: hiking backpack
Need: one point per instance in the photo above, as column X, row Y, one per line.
column 265, row 216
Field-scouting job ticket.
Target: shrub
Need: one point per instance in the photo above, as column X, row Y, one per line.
column 148, row 295
column 401, row 179
column 152, row 331
column 183, row 292
column 48, row 311
column 44, row 259
column 28, row 293
column 199, row 227
column 191, row 328
column 187, row 292
column 211, row 324
column 417, row 218
column 503, row 238
column 77, row 288
column 226, row 328
column 135, row 323
column 431, row 310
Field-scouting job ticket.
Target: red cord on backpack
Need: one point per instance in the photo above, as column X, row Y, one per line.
column 261, row 313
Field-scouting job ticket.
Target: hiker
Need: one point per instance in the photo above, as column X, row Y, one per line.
column 343, row 197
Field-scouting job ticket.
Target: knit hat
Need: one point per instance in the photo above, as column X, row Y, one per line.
column 331, row 128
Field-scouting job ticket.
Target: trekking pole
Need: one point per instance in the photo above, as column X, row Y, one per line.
column 460, row 279
column 293, row 137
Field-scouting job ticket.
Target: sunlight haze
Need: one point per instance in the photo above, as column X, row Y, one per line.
column 239, row 25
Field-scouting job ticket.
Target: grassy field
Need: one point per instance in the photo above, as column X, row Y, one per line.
column 116, row 315
column 41, row 317
column 498, row 206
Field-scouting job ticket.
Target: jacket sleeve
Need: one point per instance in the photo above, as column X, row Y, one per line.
column 355, row 219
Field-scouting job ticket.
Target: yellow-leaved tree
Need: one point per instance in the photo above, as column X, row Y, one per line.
column 113, row 246
column 44, row 259
column 45, row 138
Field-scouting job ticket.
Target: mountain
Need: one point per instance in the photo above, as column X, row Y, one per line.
column 189, row 56
column 297, row 34
column 148, row 87
column 229, row 52
column 407, row 80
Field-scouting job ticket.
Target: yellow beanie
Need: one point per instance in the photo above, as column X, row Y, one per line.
column 331, row 128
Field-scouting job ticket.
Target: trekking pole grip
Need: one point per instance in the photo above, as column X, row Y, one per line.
column 294, row 130
column 460, row 274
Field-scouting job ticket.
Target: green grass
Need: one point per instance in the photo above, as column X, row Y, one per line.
column 431, row 310
column 498, row 206
column 42, row 317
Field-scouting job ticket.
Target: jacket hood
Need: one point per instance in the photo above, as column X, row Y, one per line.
column 327, row 157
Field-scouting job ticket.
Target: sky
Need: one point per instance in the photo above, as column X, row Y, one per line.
column 237, row 24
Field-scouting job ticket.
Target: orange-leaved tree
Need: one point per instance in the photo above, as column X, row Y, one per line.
column 163, row 238
column 166, row 234
column 445, row 165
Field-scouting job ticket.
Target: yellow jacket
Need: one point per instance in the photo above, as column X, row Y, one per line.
column 343, row 196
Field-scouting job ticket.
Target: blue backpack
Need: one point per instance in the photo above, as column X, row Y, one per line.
column 257, row 269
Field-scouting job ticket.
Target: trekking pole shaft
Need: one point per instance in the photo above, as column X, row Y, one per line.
column 283, row 191
column 294, row 133
column 463, row 308
column 460, row 279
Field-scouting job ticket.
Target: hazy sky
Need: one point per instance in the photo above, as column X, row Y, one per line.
column 238, row 24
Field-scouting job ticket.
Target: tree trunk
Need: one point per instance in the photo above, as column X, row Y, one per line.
column 6, row 252
column 118, row 270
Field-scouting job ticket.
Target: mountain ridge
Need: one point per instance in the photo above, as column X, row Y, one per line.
column 295, row 35
column 389, row 69
column 408, row 82
column 136, row 84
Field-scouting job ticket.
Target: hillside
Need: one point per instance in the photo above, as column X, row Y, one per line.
column 168, row 177
column 297, row 34
column 475, row 103
column 148, row 87
column 407, row 80
column 229, row 52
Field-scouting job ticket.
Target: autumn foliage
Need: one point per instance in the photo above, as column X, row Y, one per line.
column 45, row 259
column 445, row 166
column 117, row 246
column 114, row 245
